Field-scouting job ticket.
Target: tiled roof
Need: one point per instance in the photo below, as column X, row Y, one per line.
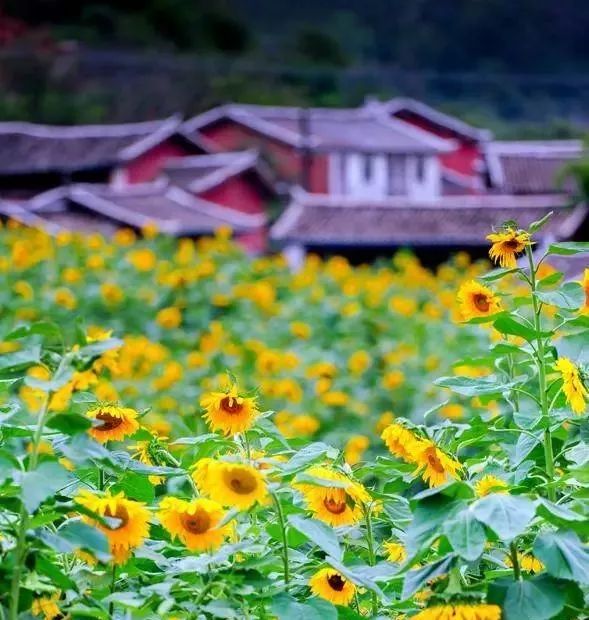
column 451, row 220
column 400, row 105
column 172, row 209
column 527, row 167
column 203, row 172
column 28, row 148
column 327, row 128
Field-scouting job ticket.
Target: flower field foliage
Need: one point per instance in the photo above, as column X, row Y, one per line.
column 186, row 433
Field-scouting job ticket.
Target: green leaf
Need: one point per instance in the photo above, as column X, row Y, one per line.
column 357, row 575
column 539, row 224
column 564, row 555
column 46, row 567
column 466, row 535
column 540, row 598
column 319, row 533
column 570, row 296
column 428, row 517
column 75, row 534
column 496, row 274
column 98, row 348
column 569, row 248
column 467, row 386
column 416, row 578
column 69, row 423
column 285, row 607
column 19, row 360
column 41, row 483
column 135, row 486
column 506, row 515
column 557, row 513
column 307, row 455
column 508, row 324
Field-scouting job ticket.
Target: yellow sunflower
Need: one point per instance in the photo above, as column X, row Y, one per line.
column 130, row 528
column 340, row 504
column 395, row 551
column 478, row 611
column 327, row 583
column 490, row 484
column 435, row 466
column 401, row 442
column 506, row 245
column 477, row 300
column 572, row 384
column 585, row 285
column 47, row 606
column 230, row 484
column 116, row 423
column 229, row 412
column 195, row 523
column 527, row 562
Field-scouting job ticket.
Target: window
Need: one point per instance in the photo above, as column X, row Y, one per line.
column 367, row 167
column 420, row 168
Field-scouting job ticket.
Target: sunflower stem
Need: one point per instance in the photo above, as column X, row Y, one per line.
column 515, row 561
column 111, row 605
column 371, row 554
column 541, row 363
column 20, row 549
column 281, row 521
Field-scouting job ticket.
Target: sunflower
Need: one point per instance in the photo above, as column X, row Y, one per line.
column 506, row 245
column 228, row 411
column 230, row 484
column 327, row 583
column 527, row 562
column 435, row 466
column 585, row 285
column 116, row 423
column 477, row 611
column 340, row 504
column 489, row 484
column 395, row 551
column 401, row 441
column 572, row 384
column 477, row 300
column 130, row 528
column 47, row 607
column 195, row 523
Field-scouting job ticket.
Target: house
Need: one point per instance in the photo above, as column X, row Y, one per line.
column 531, row 166
column 348, row 152
column 35, row 158
column 105, row 209
column 238, row 180
column 365, row 229
column 461, row 166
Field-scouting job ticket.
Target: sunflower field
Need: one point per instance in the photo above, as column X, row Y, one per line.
column 188, row 433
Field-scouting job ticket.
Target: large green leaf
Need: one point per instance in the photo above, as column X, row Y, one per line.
column 135, row 486
column 285, row 607
column 41, row 483
column 506, row 515
column 538, row 598
column 564, row 555
column 307, row 455
column 428, row 516
column 467, row 386
column 570, row 296
column 69, row 423
column 569, row 248
column 466, row 534
column 75, row 534
column 416, row 578
column 319, row 533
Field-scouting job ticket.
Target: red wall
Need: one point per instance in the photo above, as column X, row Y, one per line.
column 147, row 166
column 284, row 159
column 237, row 193
column 253, row 242
column 463, row 158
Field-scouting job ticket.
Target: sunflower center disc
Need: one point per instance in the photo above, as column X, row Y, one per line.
column 230, row 405
column 108, row 421
column 334, row 506
column 481, row 302
column 198, row 523
column 336, row 582
column 121, row 514
column 435, row 462
column 242, row 483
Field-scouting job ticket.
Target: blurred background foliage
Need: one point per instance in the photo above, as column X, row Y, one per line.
column 517, row 68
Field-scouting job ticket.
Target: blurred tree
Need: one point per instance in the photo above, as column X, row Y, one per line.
column 315, row 46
